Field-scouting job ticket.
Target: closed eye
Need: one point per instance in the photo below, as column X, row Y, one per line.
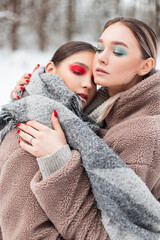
column 77, row 69
column 77, row 73
column 118, row 54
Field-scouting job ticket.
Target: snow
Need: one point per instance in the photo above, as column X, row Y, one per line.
column 15, row 64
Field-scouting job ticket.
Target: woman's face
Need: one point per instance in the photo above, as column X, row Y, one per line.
column 76, row 72
column 118, row 59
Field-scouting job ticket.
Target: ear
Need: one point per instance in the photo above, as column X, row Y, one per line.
column 146, row 66
column 50, row 68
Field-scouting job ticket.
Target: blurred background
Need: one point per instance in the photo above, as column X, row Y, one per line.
column 31, row 30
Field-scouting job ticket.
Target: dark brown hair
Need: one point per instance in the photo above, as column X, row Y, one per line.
column 144, row 34
column 69, row 49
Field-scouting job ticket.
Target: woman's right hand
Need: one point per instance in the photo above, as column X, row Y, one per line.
column 25, row 79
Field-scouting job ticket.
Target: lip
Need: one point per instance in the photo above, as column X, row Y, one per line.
column 83, row 96
column 101, row 71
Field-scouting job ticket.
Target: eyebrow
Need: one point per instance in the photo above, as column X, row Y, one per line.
column 82, row 64
column 115, row 42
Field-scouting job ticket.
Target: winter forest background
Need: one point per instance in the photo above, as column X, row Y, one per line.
column 31, row 30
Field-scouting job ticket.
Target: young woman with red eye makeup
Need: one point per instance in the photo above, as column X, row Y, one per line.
column 131, row 117
column 76, row 72
column 73, row 63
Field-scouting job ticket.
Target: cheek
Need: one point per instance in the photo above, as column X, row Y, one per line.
column 69, row 81
column 95, row 61
column 124, row 66
column 72, row 86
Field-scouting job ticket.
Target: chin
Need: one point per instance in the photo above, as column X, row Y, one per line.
column 100, row 82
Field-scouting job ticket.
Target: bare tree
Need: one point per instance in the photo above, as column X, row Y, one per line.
column 158, row 17
column 70, row 19
column 48, row 23
column 41, row 20
column 15, row 24
column 43, row 12
column 10, row 22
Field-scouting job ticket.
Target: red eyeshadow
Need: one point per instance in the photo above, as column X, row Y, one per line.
column 77, row 69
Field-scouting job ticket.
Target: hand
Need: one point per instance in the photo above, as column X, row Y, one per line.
column 41, row 140
column 20, row 84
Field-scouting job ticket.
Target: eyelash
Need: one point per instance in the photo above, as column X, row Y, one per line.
column 117, row 53
column 77, row 73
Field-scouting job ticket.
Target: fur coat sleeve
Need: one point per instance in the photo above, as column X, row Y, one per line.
column 67, row 199
column 21, row 217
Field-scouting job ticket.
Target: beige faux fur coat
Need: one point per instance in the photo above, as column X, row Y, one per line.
column 66, row 197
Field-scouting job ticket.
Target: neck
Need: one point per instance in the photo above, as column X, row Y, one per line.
column 117, row 89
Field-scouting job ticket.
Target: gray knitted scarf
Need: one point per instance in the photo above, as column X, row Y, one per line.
column 129, row 210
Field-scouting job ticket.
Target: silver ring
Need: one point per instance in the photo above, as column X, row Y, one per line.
column 31, row 140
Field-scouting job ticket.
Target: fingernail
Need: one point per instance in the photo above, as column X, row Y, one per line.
column 38, row 65
column 27, row 80
column 19, row 141
column 55, row 113
column 18, row 124
column 29, row 75
column 22, row 88
column 17, row 97
column 18, row 131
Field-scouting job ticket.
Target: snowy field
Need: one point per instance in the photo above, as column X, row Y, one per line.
column 14, row 64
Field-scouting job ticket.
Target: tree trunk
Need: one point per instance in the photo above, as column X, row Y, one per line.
column 41, row 29
column 158, row 17
column 70, row 19
column 15, row 25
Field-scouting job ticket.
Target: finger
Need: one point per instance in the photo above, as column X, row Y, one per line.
column 38, row 65
column 24, row 79
column 26, row 147
column 18, row 88
column 15, row 92
column 28, row 138
column 28, row 129
column 36, row 125
column 56, row 123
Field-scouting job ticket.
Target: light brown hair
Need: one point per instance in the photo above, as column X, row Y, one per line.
column 148, row 44
column 144, row 34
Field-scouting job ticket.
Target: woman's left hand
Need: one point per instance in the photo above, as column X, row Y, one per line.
column 41, row 140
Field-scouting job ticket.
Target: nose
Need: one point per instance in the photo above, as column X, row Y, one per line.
column 87, row 82
column 102, row 58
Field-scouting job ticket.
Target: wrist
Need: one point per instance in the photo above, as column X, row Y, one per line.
column 51, row 163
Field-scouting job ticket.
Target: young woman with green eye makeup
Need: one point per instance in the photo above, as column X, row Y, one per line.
column 124, row 67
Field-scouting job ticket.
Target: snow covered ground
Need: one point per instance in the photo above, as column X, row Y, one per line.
column 14, row 64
